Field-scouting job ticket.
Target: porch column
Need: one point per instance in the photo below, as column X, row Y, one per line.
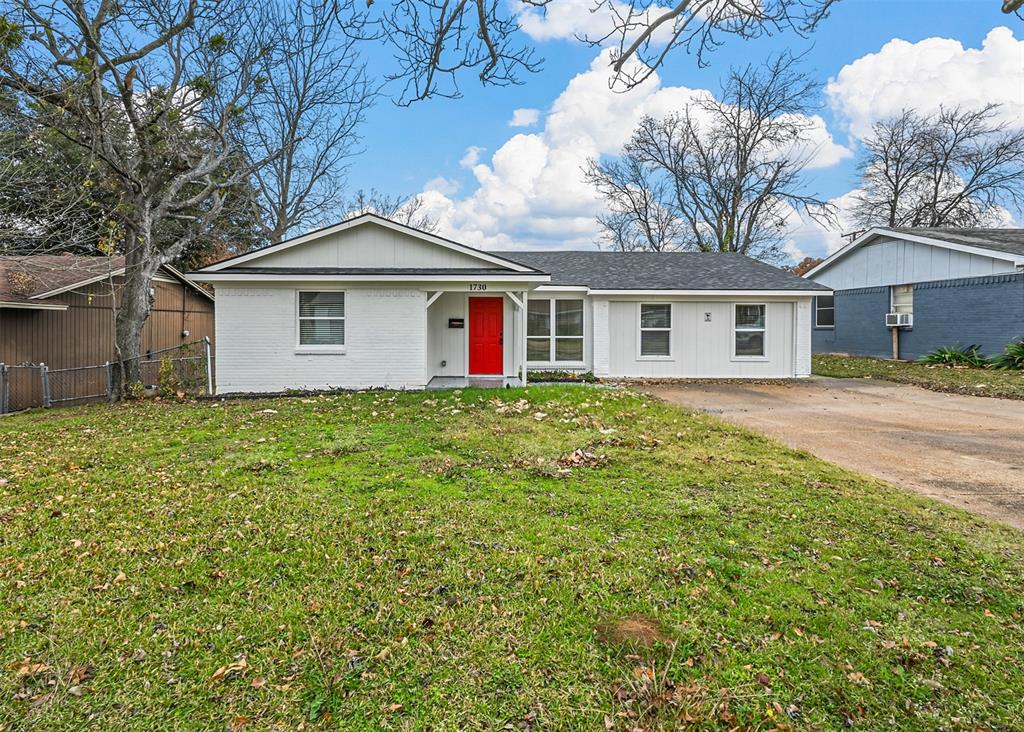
column 522, row 337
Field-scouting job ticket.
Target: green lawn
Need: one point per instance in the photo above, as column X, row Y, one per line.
column 559, row 558
column 978, row 382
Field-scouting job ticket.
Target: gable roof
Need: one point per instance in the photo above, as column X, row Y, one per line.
column 29, row 280
column 668, row 271
column 498, row 262
column 1009, row 243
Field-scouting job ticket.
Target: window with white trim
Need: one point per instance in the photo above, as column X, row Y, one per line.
column 749, row 331
column 655, row 330
column 825, row 311
column 322, row 318
column 554, row 330
column 902, row 299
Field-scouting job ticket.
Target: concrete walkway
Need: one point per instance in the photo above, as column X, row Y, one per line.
column 967, row 451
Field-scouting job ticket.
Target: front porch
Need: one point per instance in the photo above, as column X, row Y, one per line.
column 476, row 336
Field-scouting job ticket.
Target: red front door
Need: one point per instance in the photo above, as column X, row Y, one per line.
column 485, row 335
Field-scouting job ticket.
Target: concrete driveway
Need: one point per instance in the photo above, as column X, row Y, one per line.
column 967, row 451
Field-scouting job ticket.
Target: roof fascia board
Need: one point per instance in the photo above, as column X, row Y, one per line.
column 186, row 281
column 75, row 285
column 712, row 293
column 440, row 277
column 360, row 221
column 32, row 306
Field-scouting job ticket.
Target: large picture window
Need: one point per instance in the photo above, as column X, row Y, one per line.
column 749, row 331
column 655, row 330
column 322, row 318
column 554, row 330
column 824, row 311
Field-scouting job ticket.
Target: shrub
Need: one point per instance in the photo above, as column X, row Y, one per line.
column 1012, row 357
column 956, row 356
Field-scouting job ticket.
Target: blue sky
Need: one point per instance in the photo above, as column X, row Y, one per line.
column 518, row 199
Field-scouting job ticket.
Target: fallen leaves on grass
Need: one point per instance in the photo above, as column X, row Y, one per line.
column 234, row 668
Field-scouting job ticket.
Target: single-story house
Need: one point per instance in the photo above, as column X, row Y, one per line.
column 58, row 310
column 372, row 303
column 905, row 292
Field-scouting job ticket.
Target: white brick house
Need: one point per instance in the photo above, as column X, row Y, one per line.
column 372, row 303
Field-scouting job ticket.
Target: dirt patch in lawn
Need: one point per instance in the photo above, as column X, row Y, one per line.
column 632, row 630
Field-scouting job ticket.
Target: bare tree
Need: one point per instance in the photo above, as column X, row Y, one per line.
column 408, row 210
column 437, row 40
column 955, row 167
column 318, row 92
column 156, row 91
column 718, row 175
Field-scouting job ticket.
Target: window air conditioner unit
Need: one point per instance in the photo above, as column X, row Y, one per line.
column 899, row 320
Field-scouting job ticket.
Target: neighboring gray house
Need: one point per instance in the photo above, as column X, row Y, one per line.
column 369, row 302
column 945, row 286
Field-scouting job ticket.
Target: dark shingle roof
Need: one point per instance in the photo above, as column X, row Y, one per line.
column 1010, row 241
column 661, row 271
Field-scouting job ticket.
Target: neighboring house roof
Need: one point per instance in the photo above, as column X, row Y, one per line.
column 28, row 281
column 662, row 271
column 1006, row 242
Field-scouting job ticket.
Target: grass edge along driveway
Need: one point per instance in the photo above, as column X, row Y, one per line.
column 556, row 558
column 1008, row 384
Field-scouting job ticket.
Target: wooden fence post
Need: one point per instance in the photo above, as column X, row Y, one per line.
column 4, row 389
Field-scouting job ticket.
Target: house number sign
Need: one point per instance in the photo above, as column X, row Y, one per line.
column 477, row 287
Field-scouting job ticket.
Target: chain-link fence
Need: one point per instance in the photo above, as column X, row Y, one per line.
column 184, row 369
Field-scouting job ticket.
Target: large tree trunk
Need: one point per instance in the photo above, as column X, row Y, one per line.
column 132, row 311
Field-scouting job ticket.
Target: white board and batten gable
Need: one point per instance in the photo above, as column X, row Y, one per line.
column 884, row 257
column 366, row 242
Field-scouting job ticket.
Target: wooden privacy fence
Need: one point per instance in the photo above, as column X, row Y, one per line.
column 187, row 368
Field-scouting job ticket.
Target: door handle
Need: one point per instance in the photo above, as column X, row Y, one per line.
column 501, row 339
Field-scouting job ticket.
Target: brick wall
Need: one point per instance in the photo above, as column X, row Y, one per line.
column 985, row 310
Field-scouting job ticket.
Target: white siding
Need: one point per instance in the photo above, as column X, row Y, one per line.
column 257, row 351
column 889, row 261
column 702, row 348
column 803, row 336
column 369, row 245
column 600, row 347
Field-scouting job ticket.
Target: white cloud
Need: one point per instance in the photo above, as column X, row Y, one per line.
column 532, row 193
column 442, row 185
column 923, row 75
column 472, row 156
column 587, row 19
column 524, row 117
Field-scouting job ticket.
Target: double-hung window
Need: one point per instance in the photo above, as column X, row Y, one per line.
column 825, row 311
column 655, row 330
column 554, row 330
column 749, row 331
column 322, row 319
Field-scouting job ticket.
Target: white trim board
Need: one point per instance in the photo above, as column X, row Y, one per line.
column 32, row 306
